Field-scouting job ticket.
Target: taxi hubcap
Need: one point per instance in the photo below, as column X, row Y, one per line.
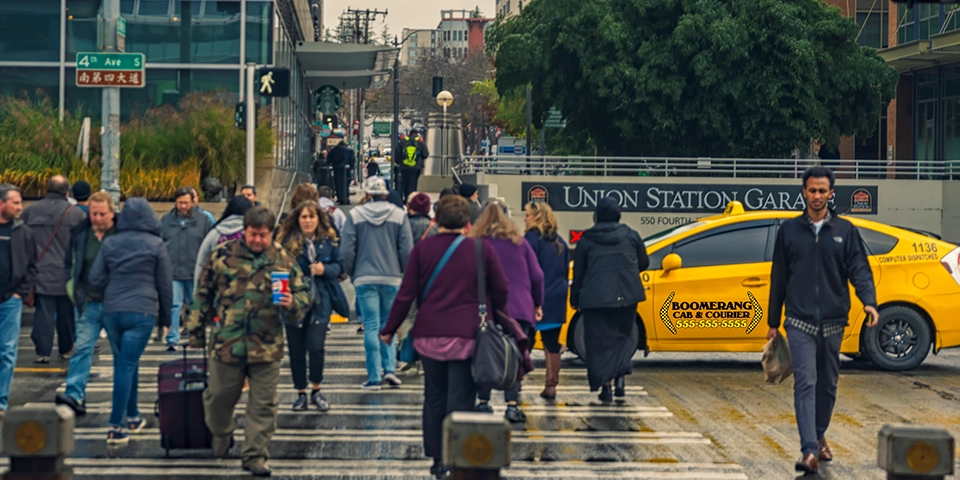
column 897, row 339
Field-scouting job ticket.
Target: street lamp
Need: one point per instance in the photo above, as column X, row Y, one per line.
column 444, row 99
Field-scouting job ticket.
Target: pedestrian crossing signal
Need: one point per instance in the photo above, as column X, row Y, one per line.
column 273, row 82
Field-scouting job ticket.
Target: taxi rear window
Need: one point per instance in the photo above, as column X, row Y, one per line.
column 877, row 243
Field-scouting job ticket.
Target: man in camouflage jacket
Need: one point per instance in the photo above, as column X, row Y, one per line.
column 247, row 342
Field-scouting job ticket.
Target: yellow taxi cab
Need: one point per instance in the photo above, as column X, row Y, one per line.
column 708, row 286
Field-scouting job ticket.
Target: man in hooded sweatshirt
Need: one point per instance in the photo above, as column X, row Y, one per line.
column 376, row 243
column 606, row 290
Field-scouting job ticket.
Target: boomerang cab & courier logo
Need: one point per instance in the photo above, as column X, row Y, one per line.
column 703, row 315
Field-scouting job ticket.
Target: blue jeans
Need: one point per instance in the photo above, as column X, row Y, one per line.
column 88, row 330
column 129, row 334
column 375, row 302
column 182, row 293
column 10, row 315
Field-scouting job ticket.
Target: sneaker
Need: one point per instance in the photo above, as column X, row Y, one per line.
column 360, row 329
column 103, row 333
column 484, row 407
column 136, row 424
column 221, row 445
column 368, row 385
column 171, row 348
column 392, row 380
column 301, row 403
column 66, row 356
column 316, row 398
column 79, row 409
column 117, row 437
column 515, row 415
column 619, row 389
column 42, row 360
column 257, row 467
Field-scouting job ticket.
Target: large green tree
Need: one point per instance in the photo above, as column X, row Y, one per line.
column 720, row 78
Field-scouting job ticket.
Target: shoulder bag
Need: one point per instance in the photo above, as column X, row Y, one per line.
column 496, row 358
column 31, row 299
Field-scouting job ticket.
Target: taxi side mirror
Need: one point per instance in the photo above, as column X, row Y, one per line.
column 671, row 262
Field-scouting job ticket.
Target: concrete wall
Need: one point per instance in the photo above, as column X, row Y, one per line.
column 923, row 204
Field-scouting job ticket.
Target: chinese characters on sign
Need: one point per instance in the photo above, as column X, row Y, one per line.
column 109, row 78
column 106, row 69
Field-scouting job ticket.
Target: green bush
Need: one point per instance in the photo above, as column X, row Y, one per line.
column 199, row 132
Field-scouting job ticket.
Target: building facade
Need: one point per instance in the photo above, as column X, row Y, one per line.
column 420, row 44
column 189, row 46
column 509, row 8
column 459, row 35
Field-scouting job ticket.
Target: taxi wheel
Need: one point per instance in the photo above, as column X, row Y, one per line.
column 575, row 339
column 900, row 341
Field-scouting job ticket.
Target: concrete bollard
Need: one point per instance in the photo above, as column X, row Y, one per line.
column 912, row 452
column 475, row 445
column 37, row 440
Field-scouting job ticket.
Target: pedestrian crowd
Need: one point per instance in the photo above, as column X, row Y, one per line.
column 426, row 276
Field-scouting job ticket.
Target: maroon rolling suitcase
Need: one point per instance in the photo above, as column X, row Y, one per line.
column 180, row 404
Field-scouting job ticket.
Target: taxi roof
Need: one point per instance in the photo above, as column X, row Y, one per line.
column 735, row 213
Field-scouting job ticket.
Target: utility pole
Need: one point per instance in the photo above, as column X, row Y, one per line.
column 529, row 120
column 110, row 163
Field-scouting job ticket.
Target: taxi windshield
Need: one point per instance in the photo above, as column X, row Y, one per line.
column 670, row 232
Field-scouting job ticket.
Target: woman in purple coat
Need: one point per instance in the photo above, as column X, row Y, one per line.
column 525, row 282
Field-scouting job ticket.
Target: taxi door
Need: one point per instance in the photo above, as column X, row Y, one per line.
column 720, row 292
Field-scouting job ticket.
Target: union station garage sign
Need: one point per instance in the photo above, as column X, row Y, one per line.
column 692, row 198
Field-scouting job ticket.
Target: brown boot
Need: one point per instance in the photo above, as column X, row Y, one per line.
column 257, row 467
column 222, row 445
column 553, row 376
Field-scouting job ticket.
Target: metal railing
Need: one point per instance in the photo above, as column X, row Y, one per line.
column 703, row 167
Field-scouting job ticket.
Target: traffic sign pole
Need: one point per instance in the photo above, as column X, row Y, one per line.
column 110, row 164
column 251, row 121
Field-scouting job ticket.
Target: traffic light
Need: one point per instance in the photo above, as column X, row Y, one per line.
column 437, row 85
column 240, row 116
column 273, row 82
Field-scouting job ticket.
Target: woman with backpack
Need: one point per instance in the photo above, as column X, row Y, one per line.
column 229, row 227
column 554, row 259
column 308, row 235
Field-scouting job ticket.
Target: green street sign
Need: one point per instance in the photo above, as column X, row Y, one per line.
column 122, row 26
column 381, row 128
column 554, row 119
column 110, row 61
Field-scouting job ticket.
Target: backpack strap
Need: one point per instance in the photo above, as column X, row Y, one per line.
column 443, row 261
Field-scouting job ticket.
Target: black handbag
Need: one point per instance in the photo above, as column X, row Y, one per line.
column 496, row 357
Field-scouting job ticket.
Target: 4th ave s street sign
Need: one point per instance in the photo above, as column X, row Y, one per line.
column 692, row 197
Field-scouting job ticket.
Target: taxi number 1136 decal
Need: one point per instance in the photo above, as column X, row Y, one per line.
column 702, row 315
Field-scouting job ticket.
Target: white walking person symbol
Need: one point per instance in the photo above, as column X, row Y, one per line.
column 266, row 83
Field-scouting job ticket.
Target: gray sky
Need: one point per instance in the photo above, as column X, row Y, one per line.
column 426, row 14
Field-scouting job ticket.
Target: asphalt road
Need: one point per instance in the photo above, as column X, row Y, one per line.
column 686, row 413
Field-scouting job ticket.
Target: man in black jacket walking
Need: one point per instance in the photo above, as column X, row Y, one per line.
column 815, row 255
column 341, row 158
column 18, row 272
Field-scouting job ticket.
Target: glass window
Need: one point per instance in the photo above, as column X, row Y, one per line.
column 164, row 86
column 656, row 258
column 413, row 53
column 877, row 243
column 747, row 245
column 259, row 32
column 872, row 18
column 30, row 81
column 929, row 20
column 30, row 30
column 168, row 31
column 413, row 37
column 906, row 32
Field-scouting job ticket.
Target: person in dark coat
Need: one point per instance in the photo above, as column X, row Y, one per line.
column 554, row 259
column 341, row 158
column 135, row 275
column 472, row 194
column 606, row 290
column 309, row 236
